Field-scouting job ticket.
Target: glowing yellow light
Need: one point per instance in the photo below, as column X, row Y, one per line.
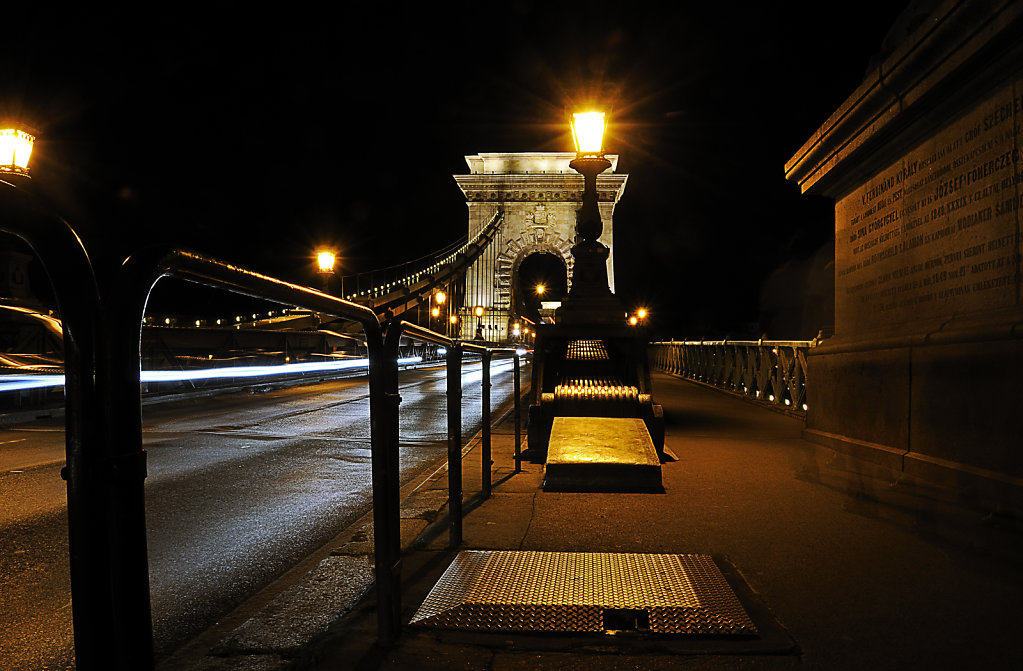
column 479, row 310
column 588, row 132
column 440, row 297
column 453, row 319
column 540, row 289
column 435, row 312
column 325, row 259
column 633, row 320
column 15, row 149
column 641, row 313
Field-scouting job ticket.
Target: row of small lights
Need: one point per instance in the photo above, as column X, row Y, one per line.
column 171, row 321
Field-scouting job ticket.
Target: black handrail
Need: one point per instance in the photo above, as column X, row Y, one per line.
column 137, row 277
column 94, row 561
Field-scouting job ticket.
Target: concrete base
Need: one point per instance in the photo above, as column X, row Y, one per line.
column 601, row 454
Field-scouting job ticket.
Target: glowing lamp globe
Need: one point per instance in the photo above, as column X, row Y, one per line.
column 325, row 259
column 440, row 297
column 588, row 133
column 15, row 150
column 479, row 310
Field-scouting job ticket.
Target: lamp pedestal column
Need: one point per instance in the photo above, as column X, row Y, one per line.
column 590, row 301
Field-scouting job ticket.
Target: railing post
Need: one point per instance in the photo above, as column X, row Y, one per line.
column 518, row 416
column 454, row 391
column 110, row 611
column 485, row 419
column 383, row 370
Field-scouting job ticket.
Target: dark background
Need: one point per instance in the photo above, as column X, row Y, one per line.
column 257, row 135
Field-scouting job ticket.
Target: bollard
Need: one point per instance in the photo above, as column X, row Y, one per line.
column 485, row 420
column 454, row 382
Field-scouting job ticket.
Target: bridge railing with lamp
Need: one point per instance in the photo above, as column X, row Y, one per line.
column 771, row 372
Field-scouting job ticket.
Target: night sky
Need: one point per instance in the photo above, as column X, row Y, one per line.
column 256, row 135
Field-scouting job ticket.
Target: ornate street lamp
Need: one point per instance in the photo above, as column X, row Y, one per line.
column 15, row 149
column 588, row 133
column 590, row 301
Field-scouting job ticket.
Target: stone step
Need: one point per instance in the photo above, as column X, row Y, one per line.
column 601, row 454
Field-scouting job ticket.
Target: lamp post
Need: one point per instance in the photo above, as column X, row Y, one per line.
column 325, row 259
column 590, row 301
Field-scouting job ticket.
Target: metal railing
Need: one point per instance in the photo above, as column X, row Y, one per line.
column 106, row 461
column 772, row 372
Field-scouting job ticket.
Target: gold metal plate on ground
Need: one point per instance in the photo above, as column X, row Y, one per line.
column 584, row 592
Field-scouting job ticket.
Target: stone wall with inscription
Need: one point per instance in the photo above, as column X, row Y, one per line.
column 936, row 234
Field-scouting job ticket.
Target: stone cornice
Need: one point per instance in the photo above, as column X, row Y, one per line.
column 959, row 52
column 549, row 187
column 534, row 163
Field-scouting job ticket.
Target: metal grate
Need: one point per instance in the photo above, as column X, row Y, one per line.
column 584, row 591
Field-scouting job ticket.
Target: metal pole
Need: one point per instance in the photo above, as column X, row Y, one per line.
column 487, row 461
column 386, row 496
column 110, row 610
column 454, row 383
column 518, row 417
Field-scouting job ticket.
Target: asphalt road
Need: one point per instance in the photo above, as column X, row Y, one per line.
column 240, row 488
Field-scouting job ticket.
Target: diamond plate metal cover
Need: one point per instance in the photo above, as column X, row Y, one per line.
column 570, row 591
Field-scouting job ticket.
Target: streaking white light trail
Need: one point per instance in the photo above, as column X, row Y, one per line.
column 21, row 382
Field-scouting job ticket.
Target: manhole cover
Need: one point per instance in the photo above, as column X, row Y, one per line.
column 584, row 591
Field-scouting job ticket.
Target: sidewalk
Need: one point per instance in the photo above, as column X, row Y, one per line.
column 837, row 569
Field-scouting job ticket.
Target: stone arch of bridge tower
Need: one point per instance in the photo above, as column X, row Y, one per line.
column 517, row 250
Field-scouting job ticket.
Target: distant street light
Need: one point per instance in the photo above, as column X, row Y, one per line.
column 325, row 259
column 15, row 149
column 540, row 289
column 641, row 313
column 440, row 297
column 479, row 310
column 633, row 320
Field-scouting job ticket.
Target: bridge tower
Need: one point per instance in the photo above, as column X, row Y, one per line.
column 540, row 195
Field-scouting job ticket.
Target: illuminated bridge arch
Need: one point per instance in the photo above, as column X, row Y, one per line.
column 539, row 195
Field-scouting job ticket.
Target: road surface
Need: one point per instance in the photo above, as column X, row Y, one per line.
column 240, row 488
